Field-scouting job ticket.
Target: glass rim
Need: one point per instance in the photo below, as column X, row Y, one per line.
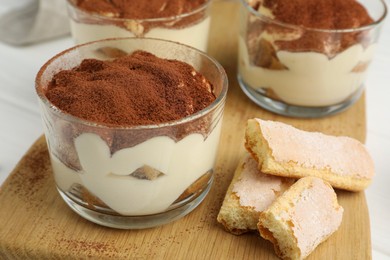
column 74, row 119
column 300, row 27
column 150, row 20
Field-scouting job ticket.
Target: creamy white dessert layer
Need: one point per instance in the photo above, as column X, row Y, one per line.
column 108, row 176
column 195, row 35
column 312, row 79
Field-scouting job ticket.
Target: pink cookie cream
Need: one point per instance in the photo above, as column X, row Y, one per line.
column 256, row 189
column 343, row 155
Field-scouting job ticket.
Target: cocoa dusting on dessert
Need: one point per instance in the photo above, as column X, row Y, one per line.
column 140, row 9
column 312, row 14
column 137, row 89
column 136, row 10
column 129, row 91
column 320, row 14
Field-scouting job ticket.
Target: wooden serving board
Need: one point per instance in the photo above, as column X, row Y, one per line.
column 36, row 224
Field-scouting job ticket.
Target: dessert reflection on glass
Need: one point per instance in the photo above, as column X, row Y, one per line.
column 184, row 21
column 132, row 127
column 307, row 58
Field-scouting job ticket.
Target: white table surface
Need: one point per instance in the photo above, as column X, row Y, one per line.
column 21, row 123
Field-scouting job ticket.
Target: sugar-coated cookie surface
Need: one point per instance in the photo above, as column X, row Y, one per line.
column 249, row 193
column 301, row 218
column 283, row 150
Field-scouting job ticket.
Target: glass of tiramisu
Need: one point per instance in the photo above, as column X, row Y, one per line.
column 132, row 126
column 184, row 21
column 307, row 58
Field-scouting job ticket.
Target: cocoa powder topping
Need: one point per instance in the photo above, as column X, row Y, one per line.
column 140, row 9
column 136, row 89
column 320, row 14
column 313, row 14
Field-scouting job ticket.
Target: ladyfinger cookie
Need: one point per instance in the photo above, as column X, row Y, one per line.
column 301, row 218
column 249, row 193
column 283, row 150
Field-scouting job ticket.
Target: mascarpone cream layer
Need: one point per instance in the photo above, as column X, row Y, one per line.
column 195, row 35
column 108, row 176
column 312, row 79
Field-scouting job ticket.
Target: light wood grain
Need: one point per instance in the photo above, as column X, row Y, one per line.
column 36, row 224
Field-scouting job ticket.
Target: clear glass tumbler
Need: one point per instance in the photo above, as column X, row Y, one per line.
column 304, row 72
column 190, row 28
column 133, row 177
